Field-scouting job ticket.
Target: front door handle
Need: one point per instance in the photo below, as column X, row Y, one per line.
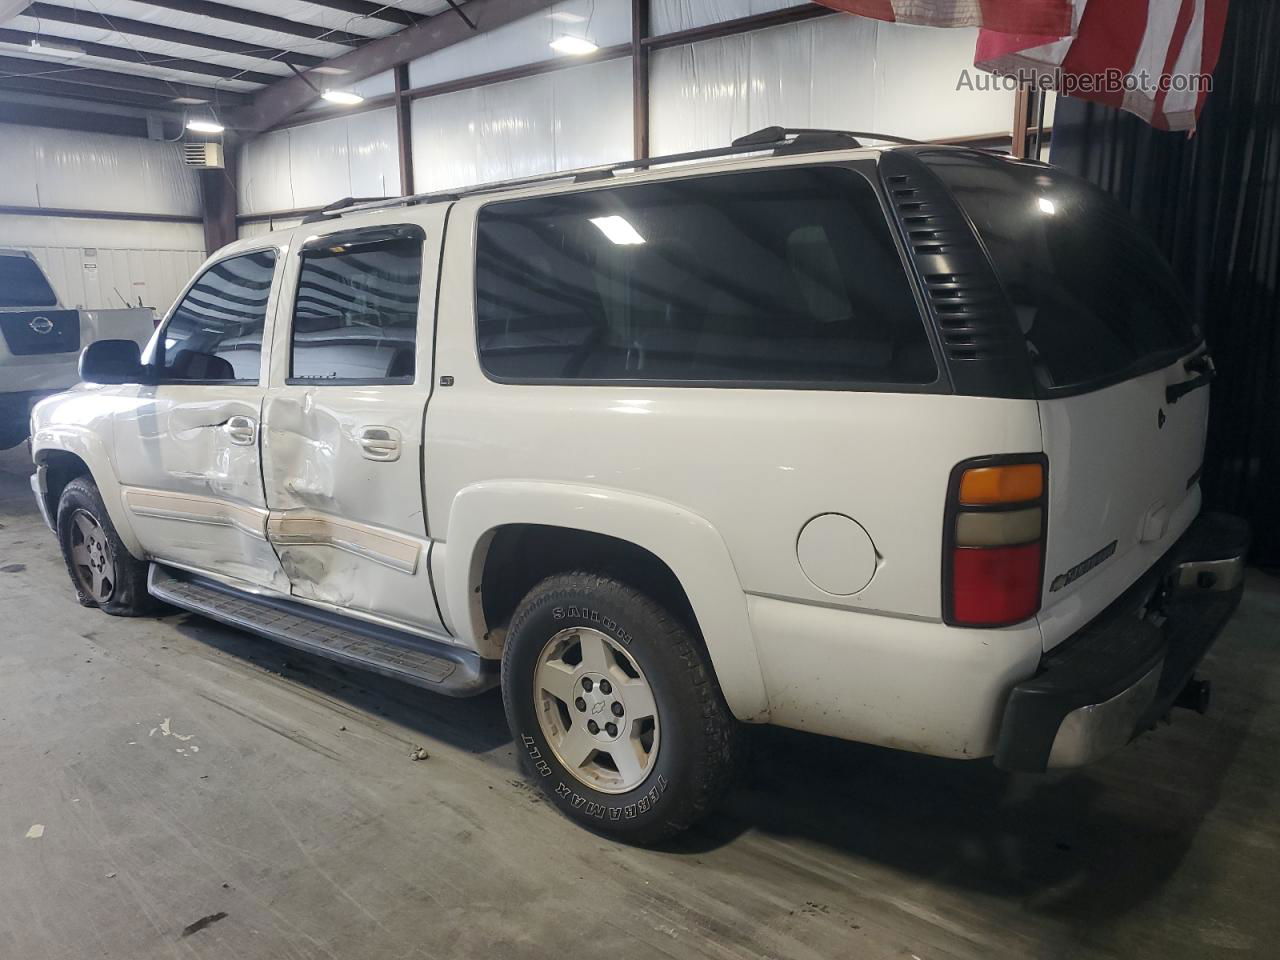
column 379, row 443
column 242, row 431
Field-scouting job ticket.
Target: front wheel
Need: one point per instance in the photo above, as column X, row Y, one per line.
column 615, row 708
column 103, row 572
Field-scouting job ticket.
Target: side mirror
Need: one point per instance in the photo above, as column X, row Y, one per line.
column 111, row 361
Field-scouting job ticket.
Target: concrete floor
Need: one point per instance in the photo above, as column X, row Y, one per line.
column 188, row 775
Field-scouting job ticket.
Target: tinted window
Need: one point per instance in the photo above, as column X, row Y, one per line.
column 1095, row 299
column 782, row 276
column 215, row 334
column 356, row 315
column 23, row 285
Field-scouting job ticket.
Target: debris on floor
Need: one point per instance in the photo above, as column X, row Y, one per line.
column 419, row 754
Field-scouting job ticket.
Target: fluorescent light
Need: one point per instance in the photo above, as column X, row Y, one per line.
column 345, row 98
column 188, row 101
column 204, row 126
column 618, row 230
column 331, row 71
column 575, row 46
column 565, row 17
column 1047, row 206
column 46, row 49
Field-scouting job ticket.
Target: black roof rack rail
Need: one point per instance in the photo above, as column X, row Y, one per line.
column 781, row 140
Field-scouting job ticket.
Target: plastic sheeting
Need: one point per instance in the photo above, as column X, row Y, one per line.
column 317, row 163
column 839, row 72
column 605, row 23
column 91, row 171
column 670, row 16
column 557, row 121
column 102, row 264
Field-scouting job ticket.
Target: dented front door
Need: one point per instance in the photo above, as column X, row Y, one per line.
column 342, row 424
column 187, row 444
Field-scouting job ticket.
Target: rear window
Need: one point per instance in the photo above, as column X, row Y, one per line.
column 1094, row 297
column 786, row 277
column 23, row 285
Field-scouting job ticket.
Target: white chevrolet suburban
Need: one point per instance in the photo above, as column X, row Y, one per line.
column 899, row 445
column 40, row 340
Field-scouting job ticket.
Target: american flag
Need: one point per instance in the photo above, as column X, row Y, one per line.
column 1149, row 57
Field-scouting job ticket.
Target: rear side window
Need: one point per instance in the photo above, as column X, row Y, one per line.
column 215, row 333
column 1095, row 299
column 355, row 318
column 784, row 277
column 23, row 285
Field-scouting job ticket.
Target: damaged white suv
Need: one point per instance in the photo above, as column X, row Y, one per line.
column 896, row 445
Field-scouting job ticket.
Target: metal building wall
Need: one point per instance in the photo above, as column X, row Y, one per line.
column 101, row 262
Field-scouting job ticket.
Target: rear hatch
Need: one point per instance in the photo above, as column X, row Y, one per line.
column 1107, row 334
column 30, row 322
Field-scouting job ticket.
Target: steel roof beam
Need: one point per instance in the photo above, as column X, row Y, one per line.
column 153, row 31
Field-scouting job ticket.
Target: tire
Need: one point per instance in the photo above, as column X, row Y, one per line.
column 102, row 570
column 635, row 778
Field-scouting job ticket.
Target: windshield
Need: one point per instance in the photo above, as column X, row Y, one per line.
column 23, row 285
column 1094, row 297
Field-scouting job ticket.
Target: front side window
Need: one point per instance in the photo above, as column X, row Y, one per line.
column 215, row 333
column 355, row 318
column 783, row 277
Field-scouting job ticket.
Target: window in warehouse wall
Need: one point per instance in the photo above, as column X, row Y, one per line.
column 562, row 120
column 840, row 72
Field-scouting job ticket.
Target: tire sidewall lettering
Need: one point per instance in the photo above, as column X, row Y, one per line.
column 593, row 618
column 613, row 812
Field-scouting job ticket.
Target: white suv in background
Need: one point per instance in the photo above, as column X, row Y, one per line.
column 895, row 445
column 40, row 340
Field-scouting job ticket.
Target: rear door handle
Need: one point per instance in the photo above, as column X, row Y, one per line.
column 379, row 443
column 242, row 431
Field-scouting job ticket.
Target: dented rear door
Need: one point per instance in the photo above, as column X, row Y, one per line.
column 343, row 419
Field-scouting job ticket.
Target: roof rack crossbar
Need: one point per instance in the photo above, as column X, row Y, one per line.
column 795, row 140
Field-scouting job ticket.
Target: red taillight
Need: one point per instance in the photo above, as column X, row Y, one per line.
column 993, row 546
column 995, row 585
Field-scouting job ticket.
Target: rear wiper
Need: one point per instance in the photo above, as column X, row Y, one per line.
column 1202, row 365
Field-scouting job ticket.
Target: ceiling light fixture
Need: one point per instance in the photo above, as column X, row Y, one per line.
column 344, row 98
column 574, row 46
column 45, row 48
column 1047, row 206
column 205, row 126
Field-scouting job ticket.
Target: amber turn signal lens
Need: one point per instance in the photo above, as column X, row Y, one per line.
column 1016, row 483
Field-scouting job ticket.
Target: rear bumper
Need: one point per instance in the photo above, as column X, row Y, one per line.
column 1097, row 690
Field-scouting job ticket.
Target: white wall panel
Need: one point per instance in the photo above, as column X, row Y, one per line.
column 527, row 40
column 98, row 264
column 670, row 16
column 43, row 167
column 841, row 72
column 317, row 163
column 557, row 121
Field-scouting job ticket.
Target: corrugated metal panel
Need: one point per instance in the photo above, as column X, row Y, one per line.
column 605, row 22
column 671, row 16
column 92, row 171
column 556, row 121
column 841, row 72
column 317, row 163
column 96, row 264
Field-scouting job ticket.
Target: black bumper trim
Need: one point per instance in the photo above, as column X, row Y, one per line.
column 1153, row 624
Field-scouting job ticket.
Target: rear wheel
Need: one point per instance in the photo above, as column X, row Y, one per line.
column 615, row 708
column 103, row 572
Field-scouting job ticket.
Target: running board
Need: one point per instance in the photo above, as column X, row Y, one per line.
column 426, row 663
